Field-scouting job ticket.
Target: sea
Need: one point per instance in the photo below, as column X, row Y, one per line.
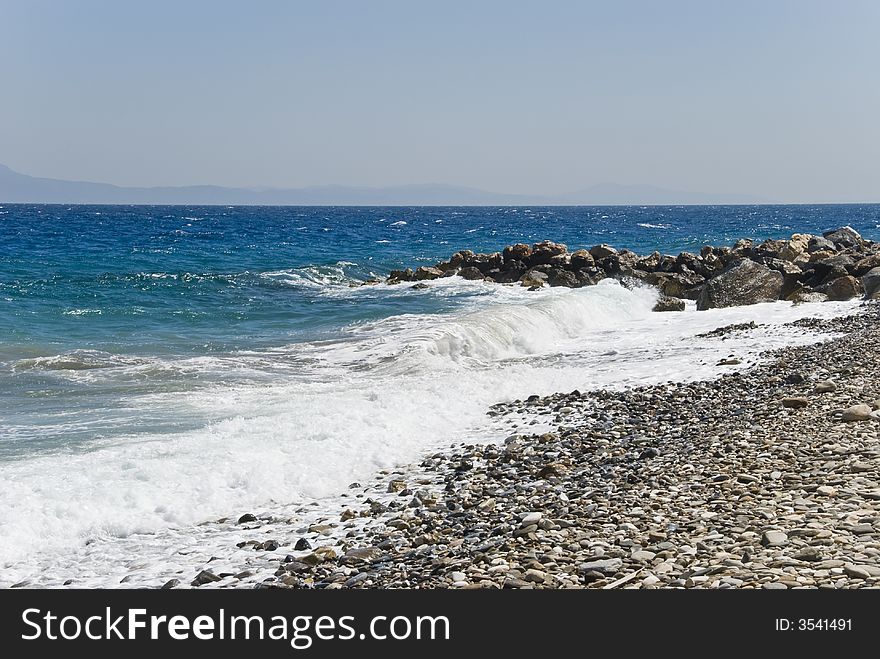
column 163, row 366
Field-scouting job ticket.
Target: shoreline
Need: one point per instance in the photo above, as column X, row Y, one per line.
column 309, row 543
column 703, row 484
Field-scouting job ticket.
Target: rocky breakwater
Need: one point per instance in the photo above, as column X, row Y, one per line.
column 767, row 478
column 839, row 265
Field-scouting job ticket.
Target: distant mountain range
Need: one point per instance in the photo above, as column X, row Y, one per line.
column 21, row 188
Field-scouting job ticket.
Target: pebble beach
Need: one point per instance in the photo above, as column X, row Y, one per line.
column 763, row 478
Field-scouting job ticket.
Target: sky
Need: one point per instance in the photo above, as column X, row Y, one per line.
column 773, row 98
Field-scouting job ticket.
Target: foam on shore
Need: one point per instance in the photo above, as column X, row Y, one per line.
column 309, row 418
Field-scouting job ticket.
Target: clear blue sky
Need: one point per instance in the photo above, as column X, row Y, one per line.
column 773, row 98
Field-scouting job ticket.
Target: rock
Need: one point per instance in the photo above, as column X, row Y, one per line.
column 534, row 278
column 856, row 413
column 320, row 555
column 396, row 485
column 458, row 576
column 268, row 545
column 842, row 288
column 844, row 237
column 428, row 272
column 774, row 539
column 419, row 287
column 247, row 517
column 650, row 581
column 558, row 277
column 171, row 583
column 826, row 491
column 531, row 518
column 351, row 582
column 825, row 387
column 802, row 295
column 543, row 252
column 820, row 244
column 795, row 402
column 744, row 282
column 204, row 577
column 677, row 284
column 856, row 572
column 774, row 585
column 606, row 566
column 535, row 576
column 602, row 251
column 302, row 545
column 795, row 247
column 642, row 556
column 471, row 273
column 581, row 259
column 667, row 303
column 347, row 515
column 809, row 554
column 871, row 283
column 397, row 276
column 361, row 555
column 865, row 265
column 518, row 252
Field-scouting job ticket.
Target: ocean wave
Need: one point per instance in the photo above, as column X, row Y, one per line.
column 494, row 324
column 648, row 225
column 339, row 274
column 530, row 327
column 82, row 312
column 381, row 395
column 77, row 360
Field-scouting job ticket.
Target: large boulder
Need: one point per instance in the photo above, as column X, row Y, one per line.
column 769, row 249
column 511, row 272
column 459, row 259
column 675, row 284
column 428, row 272
column 518, row 252
column 559, row 277
column 484, row 262
column 820, row 244
column 842, row 288
column 581, row 259
column 865, row 265
column 667, row 303
column 602, row 251
column 743, row 282
column 534, row 278
column 871, row 283
column 795, row 247
column 844, row 237
column 544, row 251
column 470, row 272
column 649, row 263
column 742, row 248
column 398, row 276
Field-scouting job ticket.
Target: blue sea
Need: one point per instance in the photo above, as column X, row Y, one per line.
column 163, row 365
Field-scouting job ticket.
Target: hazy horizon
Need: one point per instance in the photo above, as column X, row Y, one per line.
column 767, row 100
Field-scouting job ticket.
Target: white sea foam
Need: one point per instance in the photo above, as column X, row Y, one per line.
column 379, row 396
column 397, row 224
column 648, row 225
